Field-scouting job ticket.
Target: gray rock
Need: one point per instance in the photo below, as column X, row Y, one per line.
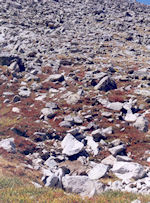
column 71, row 146
column 116, row 142
column 51, row 105
column 24, row 91
column 98, row 135
column 51, row 163
column 93, row 145
column 128, row 170
column 52, row 180
column 130, row 117
column 16, row 98
column 73, row 99
column 98, row 171
column 49, row 113
column 107, row 114
column 123, row 158
column 8, row 145
column 116, row 185
column 78, row 120
column 110, row 160
column 14, row 67
column 65, row 124
column 14, row 60
column 55, row 78
column 108, row 130
column 116, row 106
column 118, row 149
column 141, row 124
column 106, row 84
column 82, row 185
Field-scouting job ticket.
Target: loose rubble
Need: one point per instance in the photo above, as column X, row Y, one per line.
column 74, row 80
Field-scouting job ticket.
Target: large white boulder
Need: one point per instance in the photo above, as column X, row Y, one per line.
column 71, row 145
column 98, row 171
column 128, row 170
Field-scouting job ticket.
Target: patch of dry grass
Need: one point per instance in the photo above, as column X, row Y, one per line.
column 16, row 189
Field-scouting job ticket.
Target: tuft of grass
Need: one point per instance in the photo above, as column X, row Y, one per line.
column 17, row 190
column 6, row 121
column 7, row 182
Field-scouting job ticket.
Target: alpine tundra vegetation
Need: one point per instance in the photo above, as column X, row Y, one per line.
column 74, row 101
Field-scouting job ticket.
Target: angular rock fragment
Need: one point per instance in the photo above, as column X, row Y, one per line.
column 93, row 145
column 48, row 113
column 110, row 160
column 82, row 185
column 13, row 62
column 117, row 149
column 73, row 99
column 128, row 170
column 55, row 78
column 71, row 145
column 106, row 84
column 51, row 180
column 24, row 91
column 98, row 171
column 8, row 145
column 141, row 124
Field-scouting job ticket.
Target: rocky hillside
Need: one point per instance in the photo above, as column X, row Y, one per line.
column 75, row 93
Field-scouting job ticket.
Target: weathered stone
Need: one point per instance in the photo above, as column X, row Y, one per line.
column 141, row 124
column 8, row 145
column 98, row 171
column 116, row 106
column 49, row 113
column 55, row 77
column 8, row 60
column 93, row 145
column 110, row 160
column 115, row 150
column 24, row 91
column 52, row 180
column 128, row 170
column 97, row 135
column 73, row 99
column 71, row 145
column 106, row 84
column 82, row 185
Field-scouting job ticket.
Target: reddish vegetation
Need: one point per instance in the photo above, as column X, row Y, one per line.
column 117, row 96
column 28, row 120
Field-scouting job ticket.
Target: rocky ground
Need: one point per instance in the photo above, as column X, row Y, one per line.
column 75, row 93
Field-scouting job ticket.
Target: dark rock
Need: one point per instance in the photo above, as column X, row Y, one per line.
column 7, row 60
